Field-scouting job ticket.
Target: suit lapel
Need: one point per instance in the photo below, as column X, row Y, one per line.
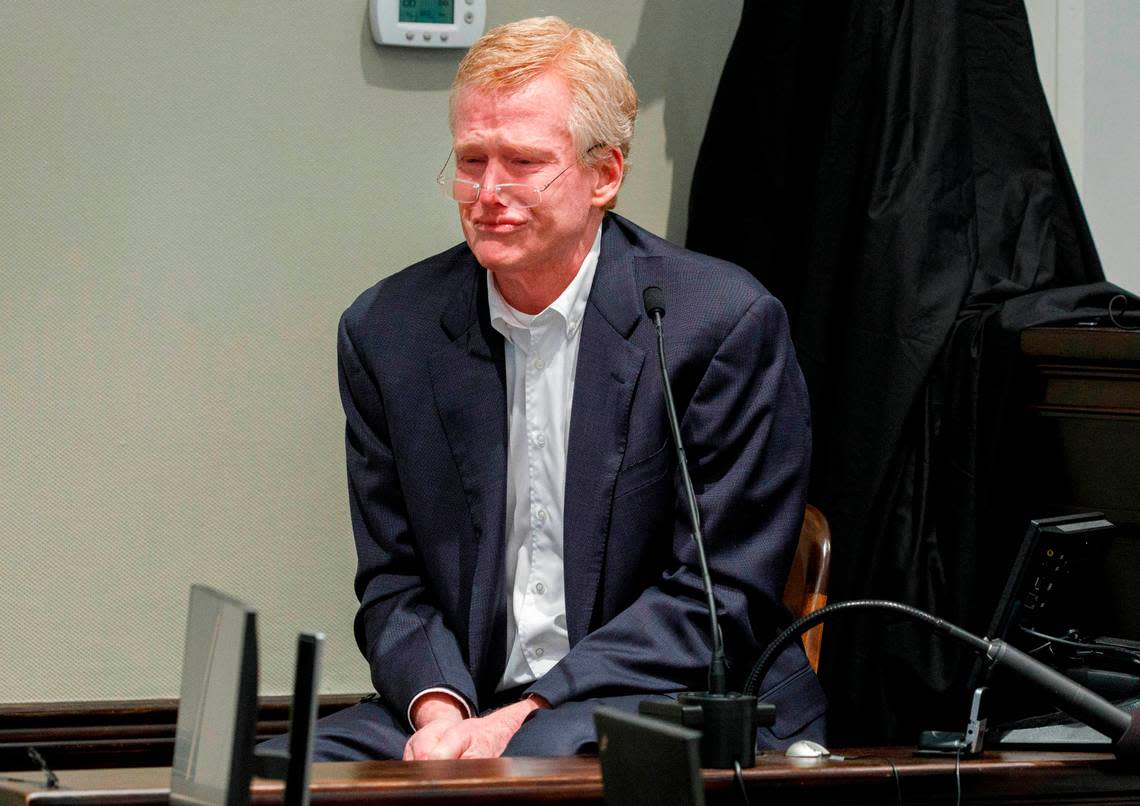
column 607, row 372
column 468, row 383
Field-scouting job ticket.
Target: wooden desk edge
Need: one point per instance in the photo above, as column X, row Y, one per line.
column 489, row 780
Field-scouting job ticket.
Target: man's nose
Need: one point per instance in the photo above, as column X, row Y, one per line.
column 493, row 176
column 489, row 196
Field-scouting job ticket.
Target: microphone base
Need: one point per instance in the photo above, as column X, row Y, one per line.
column 727, row 723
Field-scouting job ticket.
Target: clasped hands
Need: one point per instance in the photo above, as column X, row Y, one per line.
column 443, row 732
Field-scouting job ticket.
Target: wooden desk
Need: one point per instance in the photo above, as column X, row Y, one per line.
column 865, row 778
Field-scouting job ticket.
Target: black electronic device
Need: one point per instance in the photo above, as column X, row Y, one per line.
column 647, row 762
column 217, row 709
column 294, row 765
column 1047, row 586
column 214, row 756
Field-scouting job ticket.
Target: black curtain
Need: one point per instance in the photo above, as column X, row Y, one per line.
column 890, row 171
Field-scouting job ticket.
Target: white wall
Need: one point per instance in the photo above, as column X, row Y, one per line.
column 1089, row 62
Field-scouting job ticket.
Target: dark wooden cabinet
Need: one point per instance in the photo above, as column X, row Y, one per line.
column 1081, row 390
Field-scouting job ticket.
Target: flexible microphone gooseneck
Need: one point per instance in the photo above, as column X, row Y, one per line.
column 1122, row 728
column 654, row 299
column 727, row 721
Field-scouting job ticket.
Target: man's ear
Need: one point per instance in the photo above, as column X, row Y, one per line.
column 608, row 171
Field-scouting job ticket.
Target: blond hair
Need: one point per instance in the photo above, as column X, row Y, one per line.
column 603, row 105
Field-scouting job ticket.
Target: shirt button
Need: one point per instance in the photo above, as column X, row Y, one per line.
column 541, row 515
column 538, row 653
column 573, row 328
column 540, row 440
column 539, row 363
column 540, row 589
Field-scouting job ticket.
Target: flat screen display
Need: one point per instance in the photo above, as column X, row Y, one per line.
column 436, row 11
column 213, row 741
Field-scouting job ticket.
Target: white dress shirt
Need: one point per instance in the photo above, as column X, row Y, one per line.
column 541, row 353
column 541, row 358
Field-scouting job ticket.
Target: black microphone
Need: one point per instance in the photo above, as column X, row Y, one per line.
column 728, row 721
column 1121, row 727
column 1074, row 699
column 654, row 299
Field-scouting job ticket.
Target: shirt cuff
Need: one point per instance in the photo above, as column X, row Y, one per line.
column 459, row 699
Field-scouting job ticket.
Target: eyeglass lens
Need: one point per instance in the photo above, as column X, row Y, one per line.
column 509, row 195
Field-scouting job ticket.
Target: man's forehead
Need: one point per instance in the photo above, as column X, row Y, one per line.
column 531, row 115
column 547, row 84
column 521, row 122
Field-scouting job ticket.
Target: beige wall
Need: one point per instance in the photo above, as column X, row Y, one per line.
column 1090, row 68
column 190, row 193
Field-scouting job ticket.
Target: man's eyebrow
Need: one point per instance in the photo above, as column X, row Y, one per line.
column 534, row 152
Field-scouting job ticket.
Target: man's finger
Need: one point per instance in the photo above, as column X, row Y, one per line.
column 415, row 741
column 454, row 741
column 476, row 750
column 421, row 742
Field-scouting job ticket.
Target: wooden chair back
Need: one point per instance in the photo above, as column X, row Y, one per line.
column 806, row 589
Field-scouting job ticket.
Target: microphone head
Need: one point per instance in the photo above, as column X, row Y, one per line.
column 654, row 299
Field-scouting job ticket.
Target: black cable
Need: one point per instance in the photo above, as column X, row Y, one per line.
column 739, row 776
column 1036, row 649
column 1106, row 649
column 51, row 780
column 898, row 782
column 801, row 625
column 958, row 775
column 21, row 781
column 1124, row 310
column 894, row 772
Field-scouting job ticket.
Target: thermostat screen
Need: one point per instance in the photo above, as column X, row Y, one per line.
column 440, row 11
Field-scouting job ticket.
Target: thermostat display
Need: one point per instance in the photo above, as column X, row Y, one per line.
column 437, row 11
column 427, row 23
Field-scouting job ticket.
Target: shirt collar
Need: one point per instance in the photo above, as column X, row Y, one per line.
column 570, row 306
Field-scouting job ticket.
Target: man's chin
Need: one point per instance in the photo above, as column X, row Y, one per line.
column 506, row 261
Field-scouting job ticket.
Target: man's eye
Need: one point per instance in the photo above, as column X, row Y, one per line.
column 471, row 161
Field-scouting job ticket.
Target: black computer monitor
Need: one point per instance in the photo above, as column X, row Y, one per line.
column 214, row 757
column 217, row 712
column 648, row 761
column 294, row 764
column 1063, row 605
column 1057, row 581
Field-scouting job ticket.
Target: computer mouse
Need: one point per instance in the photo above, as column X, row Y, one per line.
column 805, row 748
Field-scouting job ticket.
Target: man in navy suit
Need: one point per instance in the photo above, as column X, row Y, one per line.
column 523, row 550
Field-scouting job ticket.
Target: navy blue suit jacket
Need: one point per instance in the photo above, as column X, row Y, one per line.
column 422, row 382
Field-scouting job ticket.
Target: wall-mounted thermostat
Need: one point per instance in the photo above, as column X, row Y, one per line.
column 427, row 23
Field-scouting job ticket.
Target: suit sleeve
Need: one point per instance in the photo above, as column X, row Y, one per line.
column 747, row 436
column 398, row 627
